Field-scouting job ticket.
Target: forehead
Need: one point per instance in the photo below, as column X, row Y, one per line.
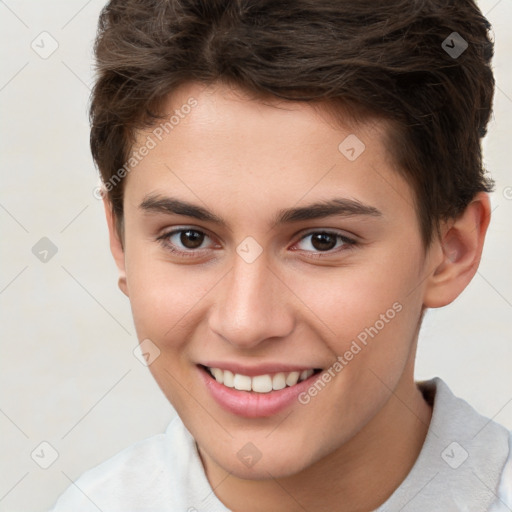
column 216, row 140
column 218, row 108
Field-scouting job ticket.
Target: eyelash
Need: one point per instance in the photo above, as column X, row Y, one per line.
column 348, row 243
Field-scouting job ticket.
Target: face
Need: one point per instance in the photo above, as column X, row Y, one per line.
column 261, row 241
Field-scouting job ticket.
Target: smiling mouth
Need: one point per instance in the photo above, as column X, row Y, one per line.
column 259, row 383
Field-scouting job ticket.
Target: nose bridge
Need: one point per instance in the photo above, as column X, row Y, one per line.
column 252, row 305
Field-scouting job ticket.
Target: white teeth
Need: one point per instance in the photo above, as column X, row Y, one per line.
column 279, row 381
column 259, row 383
column 242, row 382
column 218, row 374
column 262, row 383
column 306, row 374
column 292, row 378
column 228, row 378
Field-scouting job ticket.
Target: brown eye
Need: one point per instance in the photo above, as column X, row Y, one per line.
column 323, row 241
column 191, row 239
column 330, row 242
column 185, row 241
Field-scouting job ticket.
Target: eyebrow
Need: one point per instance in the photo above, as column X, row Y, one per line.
column 338, row 206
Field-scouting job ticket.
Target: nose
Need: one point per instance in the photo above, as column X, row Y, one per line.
column 252, row 305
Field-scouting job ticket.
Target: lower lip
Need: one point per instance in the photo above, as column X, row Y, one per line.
column 249, row 404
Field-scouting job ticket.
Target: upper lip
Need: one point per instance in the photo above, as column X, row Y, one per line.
column 260, row 369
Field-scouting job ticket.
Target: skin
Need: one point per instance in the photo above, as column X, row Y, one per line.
column 244, row 160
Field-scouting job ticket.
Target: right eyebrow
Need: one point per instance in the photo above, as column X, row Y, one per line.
column 170, row 205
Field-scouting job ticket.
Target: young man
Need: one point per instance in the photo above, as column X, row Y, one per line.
column 288, row 186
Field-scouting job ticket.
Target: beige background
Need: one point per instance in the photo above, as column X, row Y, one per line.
column 68, row 373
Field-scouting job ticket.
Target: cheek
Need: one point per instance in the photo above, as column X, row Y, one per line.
column 161, row 294
column 366, row 304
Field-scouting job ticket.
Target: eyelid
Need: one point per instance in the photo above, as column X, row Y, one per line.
column 163, row 238
column 184, row 227
column 348, row 241
column 330, row 231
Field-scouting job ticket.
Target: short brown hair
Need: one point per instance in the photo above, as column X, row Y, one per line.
column 389, row 59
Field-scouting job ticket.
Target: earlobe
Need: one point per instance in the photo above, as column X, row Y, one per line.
column 457, row 261
column 116, row 245
column 121, row 283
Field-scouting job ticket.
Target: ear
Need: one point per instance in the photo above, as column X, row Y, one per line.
column 457, row 255
column 116, row 245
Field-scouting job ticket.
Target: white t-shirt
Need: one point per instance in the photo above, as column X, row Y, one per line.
column 465, row 465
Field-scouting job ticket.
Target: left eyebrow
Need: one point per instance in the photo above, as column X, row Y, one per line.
column 342, row 206
column 339, row 206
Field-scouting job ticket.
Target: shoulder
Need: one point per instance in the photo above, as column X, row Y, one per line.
column 482, row 449
column 465, row 460
column 144, row 476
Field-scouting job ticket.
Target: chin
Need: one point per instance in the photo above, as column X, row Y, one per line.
column 282, row 462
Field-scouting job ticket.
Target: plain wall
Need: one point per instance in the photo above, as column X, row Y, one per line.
column 69, row 376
